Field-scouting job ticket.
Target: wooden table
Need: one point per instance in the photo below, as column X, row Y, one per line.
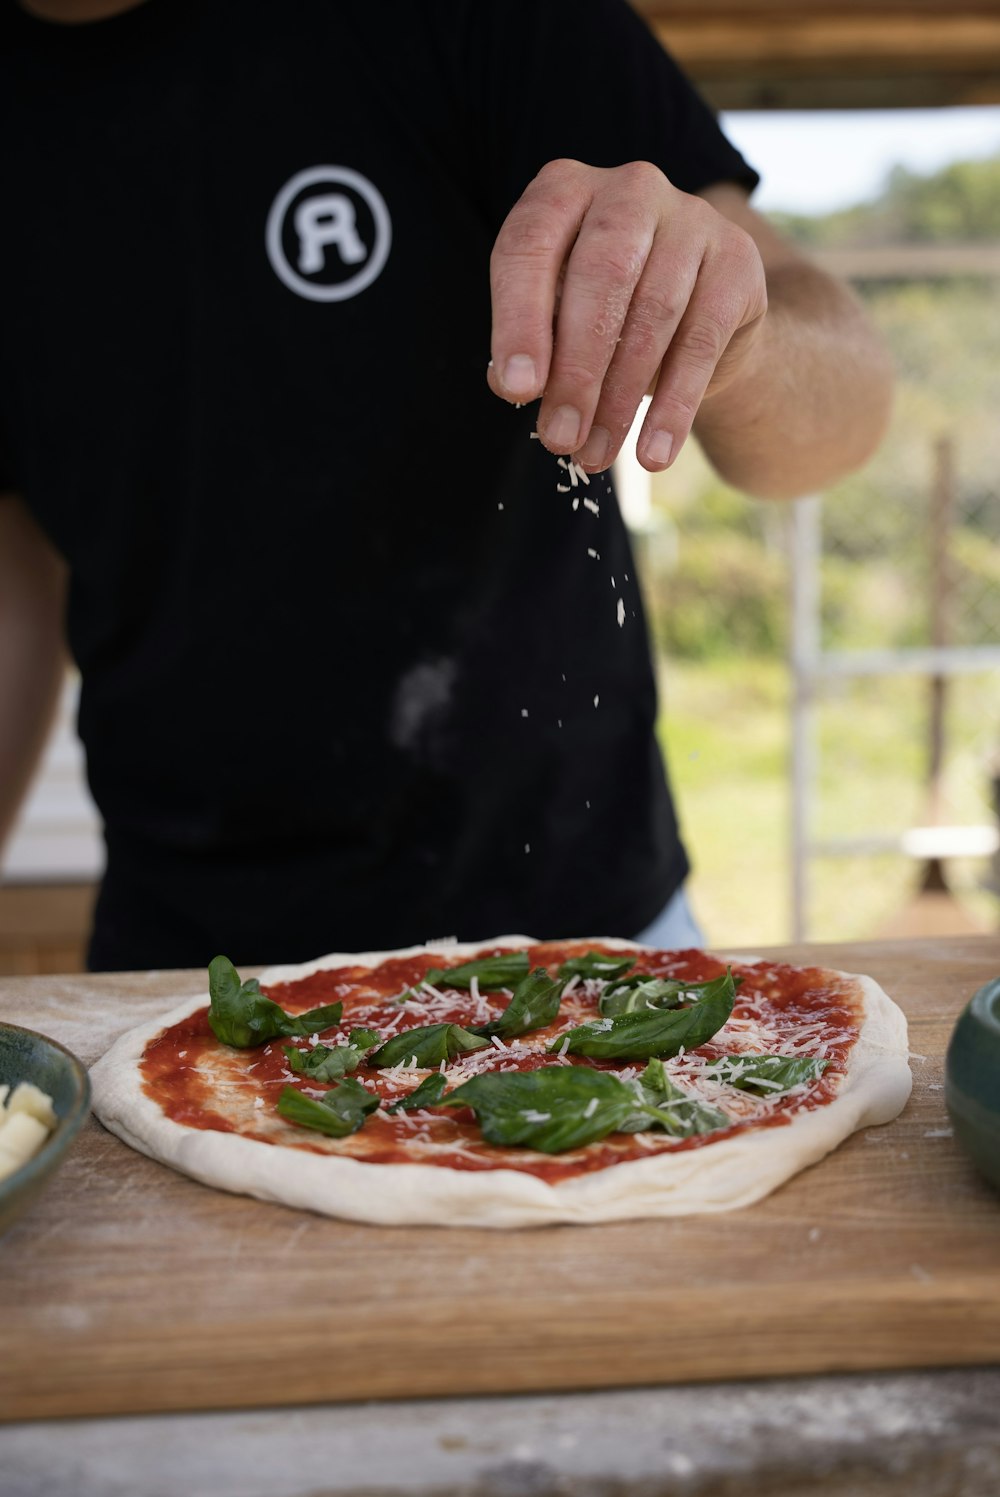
column 140, row 1310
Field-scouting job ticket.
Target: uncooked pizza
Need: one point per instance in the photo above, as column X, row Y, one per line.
column 508, row 1084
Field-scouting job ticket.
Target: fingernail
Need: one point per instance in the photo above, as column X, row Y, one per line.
column 594, row 452
column 659, row 448
column 563, row 428
column 520, row 378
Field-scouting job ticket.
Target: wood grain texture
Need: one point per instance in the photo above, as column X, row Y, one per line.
column 833, row 54
column 129, row 1288
column 44, row 928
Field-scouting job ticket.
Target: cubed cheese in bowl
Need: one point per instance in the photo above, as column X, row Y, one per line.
column 44, row 1098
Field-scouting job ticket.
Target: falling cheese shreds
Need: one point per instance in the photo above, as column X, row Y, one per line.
column 562, row 488
column 621, row 613
column 569, row 468
column 581, row 473
column 524, row 711
column 576, row 501
column 595, row 554
column 592, row 505
column 597, row 699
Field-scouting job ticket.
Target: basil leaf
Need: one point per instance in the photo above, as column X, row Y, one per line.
column 567, row 1107
column 669, row 1107
column 596, row 964
column 322, row 1063
column 364, row 1039
column 658, row 1032
column 329, row 1063
column 640, row 991
column 427, row 1094
column 491, row 971
column 767, row 1075
column 426, row 1045
column 315, row 1020
column 240, row 1015
column 534, row 1003
column 639, row 994
column 340, row 1112
column 553, row 1109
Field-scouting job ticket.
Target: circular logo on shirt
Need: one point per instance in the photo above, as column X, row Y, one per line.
column 328, row 233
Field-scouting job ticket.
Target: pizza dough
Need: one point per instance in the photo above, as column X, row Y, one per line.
column 716, row 1176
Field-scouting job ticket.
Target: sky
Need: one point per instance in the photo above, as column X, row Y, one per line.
column 818, row 160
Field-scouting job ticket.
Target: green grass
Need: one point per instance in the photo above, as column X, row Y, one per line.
column 725, row 728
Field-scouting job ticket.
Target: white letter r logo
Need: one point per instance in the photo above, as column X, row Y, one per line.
column 327, row 220
column 328, row 233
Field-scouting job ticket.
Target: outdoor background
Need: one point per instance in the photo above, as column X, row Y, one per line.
column 716, row 566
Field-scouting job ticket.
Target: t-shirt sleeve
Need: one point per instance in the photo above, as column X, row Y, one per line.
column 585, row 79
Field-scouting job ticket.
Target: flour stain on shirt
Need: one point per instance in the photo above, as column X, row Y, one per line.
column 423, row 691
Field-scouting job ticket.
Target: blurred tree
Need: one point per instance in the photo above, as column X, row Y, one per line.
column 959, row 203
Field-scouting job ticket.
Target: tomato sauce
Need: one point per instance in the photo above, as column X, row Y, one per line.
column 188, row 1072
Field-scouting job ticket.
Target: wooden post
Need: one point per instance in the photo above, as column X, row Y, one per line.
column 942, row 513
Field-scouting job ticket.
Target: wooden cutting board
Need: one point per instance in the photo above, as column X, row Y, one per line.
column 130, row 1288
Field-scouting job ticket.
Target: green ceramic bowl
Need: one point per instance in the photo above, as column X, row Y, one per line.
column 28, row 1056
column 972, row 1080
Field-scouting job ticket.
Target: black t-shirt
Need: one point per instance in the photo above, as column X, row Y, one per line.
column 353, row 672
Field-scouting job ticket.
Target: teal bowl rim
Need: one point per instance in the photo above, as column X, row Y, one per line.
column 985, row 1006
column 68, row 1123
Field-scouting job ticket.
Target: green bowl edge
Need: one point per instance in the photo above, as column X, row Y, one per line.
column 985, row 1005
column 69, row 1122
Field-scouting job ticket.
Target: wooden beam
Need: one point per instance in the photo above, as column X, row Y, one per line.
column 820, row 54
column 911, row 262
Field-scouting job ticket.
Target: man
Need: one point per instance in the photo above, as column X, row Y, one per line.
column 362, row 663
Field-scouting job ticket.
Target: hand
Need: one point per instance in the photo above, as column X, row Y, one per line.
column 606, row 283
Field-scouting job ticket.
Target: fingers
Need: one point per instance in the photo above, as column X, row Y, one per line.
column 725, row 307
column 612, row 326
column 563, row 273
column 526, row 272
column 606, row 282
column 652, row 319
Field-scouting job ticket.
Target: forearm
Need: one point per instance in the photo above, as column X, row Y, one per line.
column 810, row 397
column 811, row 402
column 32, row 654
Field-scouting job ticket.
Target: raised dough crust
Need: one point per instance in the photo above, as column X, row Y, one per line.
column 717, row 1177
